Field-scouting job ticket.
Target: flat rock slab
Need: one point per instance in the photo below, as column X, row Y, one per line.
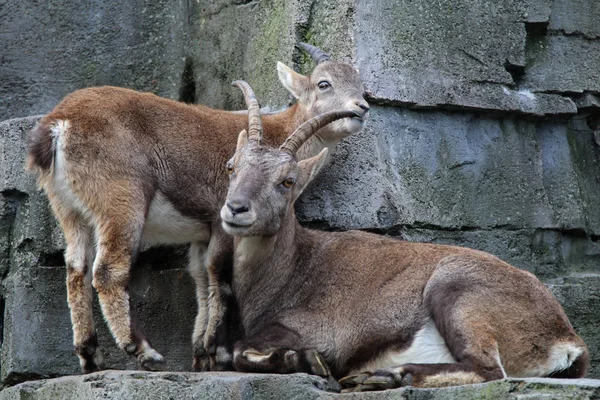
column 136, row 385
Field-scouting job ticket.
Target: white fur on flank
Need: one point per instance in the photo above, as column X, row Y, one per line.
column 427, row 347
column 562, row 356
column 164, row 224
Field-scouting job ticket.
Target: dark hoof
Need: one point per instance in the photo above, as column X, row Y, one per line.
column 200, row 361
column 201, row 364
column 216, row 365
column 353, row 380
column 90, row 366
column 90, row 358
column 154, row 365
column 151, row 360
column 318, row 365
column 379, row 380
column 222, row 360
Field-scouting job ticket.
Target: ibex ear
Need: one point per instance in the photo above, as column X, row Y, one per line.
column 291, row 80
column 242, row 140
column 309, row 168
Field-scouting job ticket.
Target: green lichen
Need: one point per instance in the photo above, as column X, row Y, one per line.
column 270, row 44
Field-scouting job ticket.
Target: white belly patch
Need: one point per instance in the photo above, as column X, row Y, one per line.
column 427, row 347
column 166, row 225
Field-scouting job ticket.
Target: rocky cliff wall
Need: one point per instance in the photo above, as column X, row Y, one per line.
column 483, row 133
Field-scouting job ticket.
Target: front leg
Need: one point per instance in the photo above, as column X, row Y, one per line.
column 197, row 270
column 272, row 351
column 219, row 336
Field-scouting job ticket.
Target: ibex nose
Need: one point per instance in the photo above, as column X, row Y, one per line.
column 238, row 206
column 363, row 106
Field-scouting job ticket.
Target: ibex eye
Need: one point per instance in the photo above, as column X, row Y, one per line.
column 324, row 85
column 289, row 182
column 229, row 168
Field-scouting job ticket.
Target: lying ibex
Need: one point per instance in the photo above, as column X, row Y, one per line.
column 122, row 167
column 349, row 302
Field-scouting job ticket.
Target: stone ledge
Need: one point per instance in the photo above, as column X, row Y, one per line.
column 136, row 385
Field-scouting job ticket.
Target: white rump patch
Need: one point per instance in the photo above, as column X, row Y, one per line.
column 427, row 347
column 562, row 356
column 166, row 225
column 61, row 188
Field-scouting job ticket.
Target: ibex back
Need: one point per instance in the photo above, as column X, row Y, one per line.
column 349, row 302
column 122, row 167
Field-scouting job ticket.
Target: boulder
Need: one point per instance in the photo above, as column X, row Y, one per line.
column 228, row 385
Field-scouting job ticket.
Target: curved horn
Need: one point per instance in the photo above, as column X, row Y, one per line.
column 315, row 53
column 307, row 129
column 254, row 120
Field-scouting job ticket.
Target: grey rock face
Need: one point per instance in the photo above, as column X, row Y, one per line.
column 51, row 48
column 572, row 59
column 459, row 54
column 214, row 386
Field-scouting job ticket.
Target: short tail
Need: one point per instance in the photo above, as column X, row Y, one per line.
column 40, row 151
column 577, row 362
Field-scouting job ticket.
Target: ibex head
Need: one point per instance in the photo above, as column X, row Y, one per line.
column 265, row 182
column 332, row 86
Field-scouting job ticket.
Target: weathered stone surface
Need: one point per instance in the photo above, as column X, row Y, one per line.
column 427, row 54
column 458, row 171
column 146, row 385
column 557, row 63
column 576, row 17
column 51, row 48
column 268, row 28
column 12, row 155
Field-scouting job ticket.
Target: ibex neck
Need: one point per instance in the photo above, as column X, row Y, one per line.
column 264, row 263
column 257, row 251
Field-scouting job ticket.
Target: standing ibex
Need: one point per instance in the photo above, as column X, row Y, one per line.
column 122, row 167
column 348, row 302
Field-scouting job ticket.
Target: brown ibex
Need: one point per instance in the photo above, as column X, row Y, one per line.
column 343, row 303
column 122, row 167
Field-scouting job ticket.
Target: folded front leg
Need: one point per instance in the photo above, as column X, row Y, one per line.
column 272, row 351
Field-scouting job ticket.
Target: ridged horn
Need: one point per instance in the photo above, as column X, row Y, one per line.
column 315, row 53
column 307, row 129
column 254, row 121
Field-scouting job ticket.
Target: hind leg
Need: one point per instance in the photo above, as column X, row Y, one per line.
column 477, row 359
column 458, row 307
column 79, row 257
column 119, row 234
